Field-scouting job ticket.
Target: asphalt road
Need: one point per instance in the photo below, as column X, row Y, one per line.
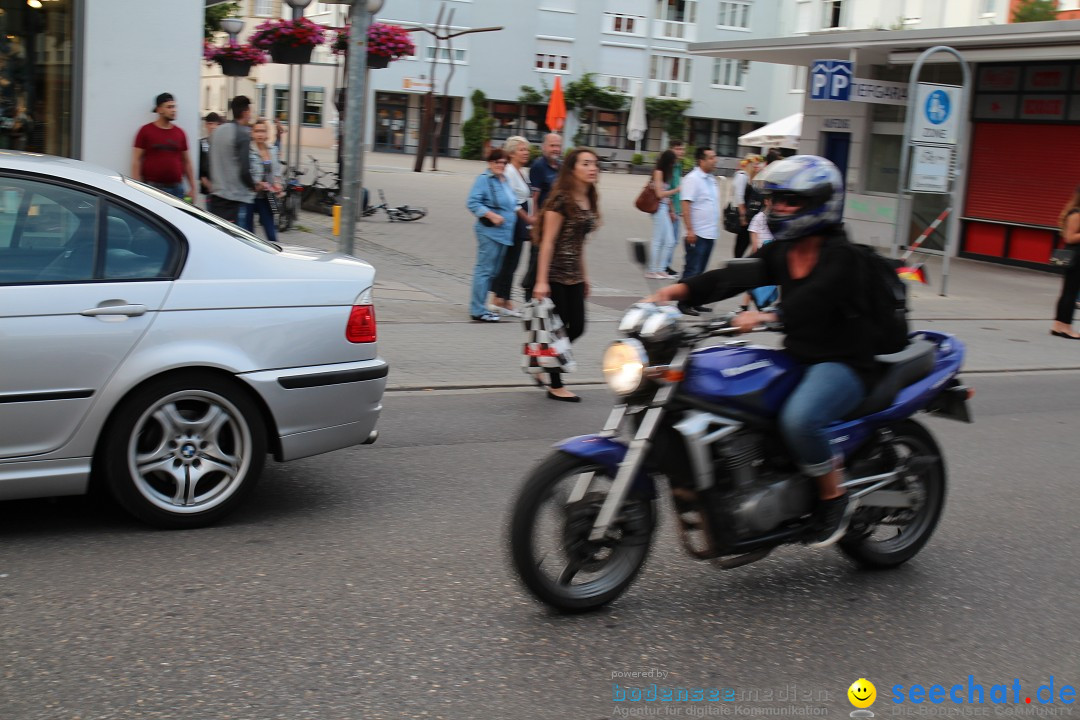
column 373, row 583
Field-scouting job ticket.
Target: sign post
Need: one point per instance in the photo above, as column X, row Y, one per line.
column 934, row 126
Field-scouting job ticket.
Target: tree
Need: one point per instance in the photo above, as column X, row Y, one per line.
column 476, row 131
column 584, row 96
column 1035, row 11
column 672, row 113
column 214, row 14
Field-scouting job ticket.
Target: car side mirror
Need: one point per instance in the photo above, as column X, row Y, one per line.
column 638, row 251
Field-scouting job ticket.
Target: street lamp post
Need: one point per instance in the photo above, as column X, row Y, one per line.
column 296, row 95
column 352, row 156
column 232, row 26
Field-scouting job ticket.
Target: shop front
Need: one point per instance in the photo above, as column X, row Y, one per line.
column 1012, row 171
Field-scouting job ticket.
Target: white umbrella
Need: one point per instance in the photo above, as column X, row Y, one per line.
column 784, row 133
column 636, row 125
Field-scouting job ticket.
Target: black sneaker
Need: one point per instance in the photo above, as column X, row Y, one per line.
column 703, row 308
column 831, row 520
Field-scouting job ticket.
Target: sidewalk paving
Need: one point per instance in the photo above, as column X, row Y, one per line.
column 423, row 269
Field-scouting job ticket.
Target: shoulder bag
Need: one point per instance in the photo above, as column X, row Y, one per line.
column 647, row 200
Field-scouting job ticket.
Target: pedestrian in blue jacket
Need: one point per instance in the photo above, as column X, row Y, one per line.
column 492, row 202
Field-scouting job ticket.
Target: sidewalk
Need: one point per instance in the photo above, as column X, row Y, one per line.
column 424, row 268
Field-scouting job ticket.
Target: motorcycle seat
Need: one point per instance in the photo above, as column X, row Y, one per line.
column 897, row 371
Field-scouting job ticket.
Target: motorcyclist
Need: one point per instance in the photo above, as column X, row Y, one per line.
column 816, row 267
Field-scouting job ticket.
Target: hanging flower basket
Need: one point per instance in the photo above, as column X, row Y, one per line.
column 291, row 55
column 235, row 60
column 234, row 68
column 377, row 61
column 385, row 43
column 289, row 41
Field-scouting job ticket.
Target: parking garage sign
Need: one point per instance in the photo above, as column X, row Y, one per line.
column 937, row 111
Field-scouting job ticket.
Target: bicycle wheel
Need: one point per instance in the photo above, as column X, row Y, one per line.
column 290, row 207
column 406, row 213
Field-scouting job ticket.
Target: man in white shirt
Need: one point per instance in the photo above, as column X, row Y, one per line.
column 701, row 212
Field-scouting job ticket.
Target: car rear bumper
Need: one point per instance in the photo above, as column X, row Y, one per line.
column 322, row 408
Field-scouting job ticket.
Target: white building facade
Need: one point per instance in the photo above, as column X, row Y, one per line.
column 621, row 42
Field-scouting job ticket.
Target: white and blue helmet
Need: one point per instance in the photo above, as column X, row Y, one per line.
column 814, row 181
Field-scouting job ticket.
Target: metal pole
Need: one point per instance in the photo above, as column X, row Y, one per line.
column 903, row 206
column 959, row 188
column 299, row 109
column 352, row 157
column 288, row 120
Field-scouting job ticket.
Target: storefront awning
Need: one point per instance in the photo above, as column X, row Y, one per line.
column 1055, row 40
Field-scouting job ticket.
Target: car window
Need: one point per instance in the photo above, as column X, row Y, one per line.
column 206, row 217
column 47, row 232
column 135, row 248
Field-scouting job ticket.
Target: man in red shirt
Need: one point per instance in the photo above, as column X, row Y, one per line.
column 160, row 156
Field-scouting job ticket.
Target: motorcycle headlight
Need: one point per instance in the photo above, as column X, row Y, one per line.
column 624, row 366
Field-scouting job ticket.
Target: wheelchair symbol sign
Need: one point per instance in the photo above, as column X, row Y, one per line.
column 937, row 107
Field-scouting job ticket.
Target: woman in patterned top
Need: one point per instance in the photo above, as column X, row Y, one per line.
column 571, row 212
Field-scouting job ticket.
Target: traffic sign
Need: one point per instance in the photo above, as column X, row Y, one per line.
column 937, row 114
column 930, row 169
column 831, row 80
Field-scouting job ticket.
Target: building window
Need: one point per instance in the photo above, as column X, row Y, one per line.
column 683, row 11
column 625, row 24
column 734, row 14
column 445, row 54
column 833, row 16
column 281, row 104
column 618, row 83
column 260, row 104
column 671, row 75
column 312, row 111
column 701, row 132
column 609, row 129
column 803, row 16
column 552, row 63
column 729, row 73
column 727, row 139
column 506, row 117
column 263, row 8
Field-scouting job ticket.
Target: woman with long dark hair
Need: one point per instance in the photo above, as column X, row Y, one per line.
column 663, row 240
column 571, row 212
column 1069, row 220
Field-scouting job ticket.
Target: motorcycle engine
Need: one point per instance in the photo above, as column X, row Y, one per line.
column 761, row 496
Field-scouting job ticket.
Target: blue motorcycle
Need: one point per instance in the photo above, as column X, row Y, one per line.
column 704, row 419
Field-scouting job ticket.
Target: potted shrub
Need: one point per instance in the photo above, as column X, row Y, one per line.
column 289, row 41
column 235, row 60
column 385, row 43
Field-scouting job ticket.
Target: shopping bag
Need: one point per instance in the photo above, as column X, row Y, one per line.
column 546, row 345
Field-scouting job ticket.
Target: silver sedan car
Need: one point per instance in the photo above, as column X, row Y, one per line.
column 160, row 351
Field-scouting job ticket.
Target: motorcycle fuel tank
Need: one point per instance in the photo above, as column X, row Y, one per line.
column 751, row 378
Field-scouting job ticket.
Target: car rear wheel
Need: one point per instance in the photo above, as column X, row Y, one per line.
column 184, row 451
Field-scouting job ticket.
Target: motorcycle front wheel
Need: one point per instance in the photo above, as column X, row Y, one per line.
column 549, row 536
column 884, row 538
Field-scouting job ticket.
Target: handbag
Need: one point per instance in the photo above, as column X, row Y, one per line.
column 1063, row 256
column 731, row 219
column 547, row 346
column 647, row 200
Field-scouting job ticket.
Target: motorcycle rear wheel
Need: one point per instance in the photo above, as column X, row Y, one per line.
column 875, row 545
column 591, row 574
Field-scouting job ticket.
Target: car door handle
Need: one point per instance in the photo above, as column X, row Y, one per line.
column 126, row 310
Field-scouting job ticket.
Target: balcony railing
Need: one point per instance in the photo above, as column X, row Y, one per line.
column 669, row 89
column 674, row 30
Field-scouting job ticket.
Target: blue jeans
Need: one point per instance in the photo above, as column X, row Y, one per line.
column 489, row 255
column 697, row 256
column 827, row 392
column 176, row 191
column 261, row 207
column 663, row 240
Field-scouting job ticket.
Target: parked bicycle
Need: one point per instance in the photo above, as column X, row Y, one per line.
column 318, row 197
column 288, row 206
column 401, row 213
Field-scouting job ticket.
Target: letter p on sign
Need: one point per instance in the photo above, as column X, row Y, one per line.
column 831, row 80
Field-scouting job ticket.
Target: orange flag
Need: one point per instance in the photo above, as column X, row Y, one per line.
column 556, row 112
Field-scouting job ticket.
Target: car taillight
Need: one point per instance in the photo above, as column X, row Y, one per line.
column 361, row 327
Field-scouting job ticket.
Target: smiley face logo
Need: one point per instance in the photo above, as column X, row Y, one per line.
column 862, row 693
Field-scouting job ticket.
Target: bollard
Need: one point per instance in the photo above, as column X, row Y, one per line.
column 337, row 220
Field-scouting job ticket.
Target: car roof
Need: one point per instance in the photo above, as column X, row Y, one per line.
column 60, row 166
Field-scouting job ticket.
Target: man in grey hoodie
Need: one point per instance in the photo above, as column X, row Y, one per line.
column 232, row 188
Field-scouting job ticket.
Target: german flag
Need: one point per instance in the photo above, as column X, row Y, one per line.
column 915, row 273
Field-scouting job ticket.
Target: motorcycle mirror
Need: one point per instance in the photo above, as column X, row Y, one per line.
column 638, row 252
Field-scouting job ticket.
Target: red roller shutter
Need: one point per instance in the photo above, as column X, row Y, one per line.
column 1022, row 173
